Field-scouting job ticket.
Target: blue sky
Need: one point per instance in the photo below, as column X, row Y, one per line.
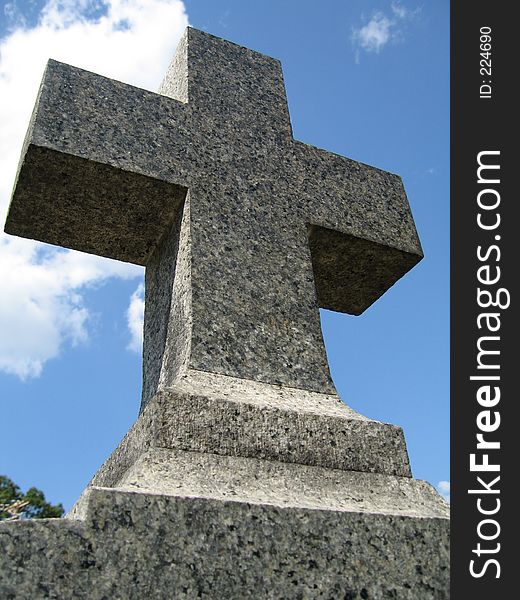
column 369, row 80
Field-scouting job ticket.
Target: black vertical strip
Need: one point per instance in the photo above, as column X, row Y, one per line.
column 484, row 124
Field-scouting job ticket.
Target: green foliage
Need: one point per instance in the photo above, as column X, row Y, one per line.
column 15, row 505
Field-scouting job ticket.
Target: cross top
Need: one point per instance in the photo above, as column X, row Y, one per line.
column 244, row 231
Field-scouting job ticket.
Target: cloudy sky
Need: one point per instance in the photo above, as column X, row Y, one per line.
column 365, row 79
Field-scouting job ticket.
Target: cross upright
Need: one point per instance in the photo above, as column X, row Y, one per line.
column 244, row 231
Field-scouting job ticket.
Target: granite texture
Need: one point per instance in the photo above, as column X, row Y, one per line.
column 137, row 545
column 233, row 417
column 259, row 481
column 271, row 229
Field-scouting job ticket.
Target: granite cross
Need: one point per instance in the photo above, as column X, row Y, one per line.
column 245, row 472
column 244, row 231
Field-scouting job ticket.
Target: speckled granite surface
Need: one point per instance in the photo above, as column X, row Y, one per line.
column 245, row 475
column 271, row 228
column 136, row 545
column 230, row 417
column 259, row 481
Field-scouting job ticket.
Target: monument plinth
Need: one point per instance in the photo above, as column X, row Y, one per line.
column 245, row 475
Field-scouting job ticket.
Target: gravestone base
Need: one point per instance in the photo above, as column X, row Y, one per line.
column 218, row 414
column 235, row 528
column 226, row 488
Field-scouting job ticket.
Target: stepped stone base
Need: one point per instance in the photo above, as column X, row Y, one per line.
column 235, row 528
column 276, row 494
column 205, row 412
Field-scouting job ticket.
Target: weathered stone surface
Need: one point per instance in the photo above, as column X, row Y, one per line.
column 137, row 545
column 271, row 228
column 228, row 416
column 259, row 481
column 245, row 475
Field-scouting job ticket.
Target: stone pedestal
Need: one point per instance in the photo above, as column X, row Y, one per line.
column 275, row 493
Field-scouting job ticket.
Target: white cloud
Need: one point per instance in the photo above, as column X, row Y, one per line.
column 375, row 34
column 381, row 29
column 41, row 306
column 443, row 487
column 399, row 10
column 135, row 319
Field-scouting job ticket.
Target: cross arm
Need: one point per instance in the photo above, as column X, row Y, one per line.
column 361, row 230
column 103, row 166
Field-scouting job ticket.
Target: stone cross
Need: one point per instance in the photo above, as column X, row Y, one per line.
column 244, row 231
column 244, row 472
